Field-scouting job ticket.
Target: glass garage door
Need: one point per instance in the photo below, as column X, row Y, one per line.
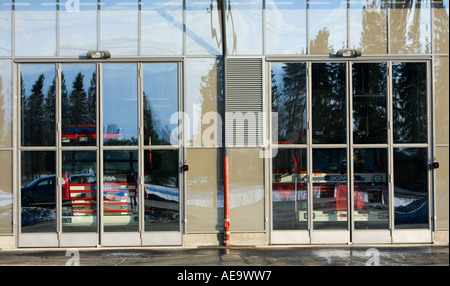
column 351, row 161
column 98, row 165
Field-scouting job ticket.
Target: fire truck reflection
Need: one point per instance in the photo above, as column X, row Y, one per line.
column 79, row 195
column 330, row 185
column 86, row 134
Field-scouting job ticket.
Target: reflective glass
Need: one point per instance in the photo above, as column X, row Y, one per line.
column 5, row 28
column 204, row 190
column 79, row 105
column 246, row 189
column 411, row 207
column 77, row 27
column 441, row 99
column 203, row 27
column 38, row 94
column 120, row 100
column 369, row 102
column 329, row 103
column 329, row 189
column 442, row 183
column 119, row 27
column 328, row 26
column 285, row 27
column 368, row 26
column 120, row 191
column 79, row 191
column 6, row 193
column 160, row 104
column 38, row 191
column 162, row 27
column 6, row 104
column 35, row 28
column 204, row 102
column 412, row 22
column 244, row 27
column 289, row 190
column 370, row 191
column 289, row 101
column 409, row 98
column 441, row 26
column 162, row 193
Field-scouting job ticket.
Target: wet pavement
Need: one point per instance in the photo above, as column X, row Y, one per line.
column 392, row 255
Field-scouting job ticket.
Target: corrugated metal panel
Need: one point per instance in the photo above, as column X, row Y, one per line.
column 244, row 102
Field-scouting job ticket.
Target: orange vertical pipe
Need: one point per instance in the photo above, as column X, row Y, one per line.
column 226, row 203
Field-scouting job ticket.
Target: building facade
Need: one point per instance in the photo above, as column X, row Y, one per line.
column 263, row 122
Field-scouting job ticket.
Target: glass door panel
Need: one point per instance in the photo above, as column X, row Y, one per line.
column 369, row 103
column 289, row 190
column 38, row 192
column 329, row 103
column 162, row 193
column 79, row 105
column 79, row 191
column 411, row 207
column 160, row 93
column 120, row 104
column 329, row 189
column 38, row 98
column 289, row 101
column 120, row 191
column 409, row 96
column 371, row 189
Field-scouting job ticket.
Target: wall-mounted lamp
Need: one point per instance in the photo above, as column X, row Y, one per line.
column 95, row 54
column 348, row 53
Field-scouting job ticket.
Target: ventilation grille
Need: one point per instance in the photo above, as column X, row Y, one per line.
column 244, row 103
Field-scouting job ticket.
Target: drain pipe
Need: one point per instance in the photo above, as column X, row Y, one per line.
column 226, row 204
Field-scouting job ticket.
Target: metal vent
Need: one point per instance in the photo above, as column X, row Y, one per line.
column 244, row 103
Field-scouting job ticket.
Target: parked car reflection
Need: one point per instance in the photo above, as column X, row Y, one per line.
column 39, row 192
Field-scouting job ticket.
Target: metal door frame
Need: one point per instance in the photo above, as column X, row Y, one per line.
column 351, row 235
column 85, row 239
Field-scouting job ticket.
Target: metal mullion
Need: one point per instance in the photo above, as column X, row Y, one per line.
column 390, row 179
column 100, row 184
column 350, row 167
column 309, row 143
column 329, row 146
column 290, row 146
column 370, row 146
column 181, row 148
column 162, row 147
column 58, row 107
column 430, row 148
column 140, row 179
column 57, row 26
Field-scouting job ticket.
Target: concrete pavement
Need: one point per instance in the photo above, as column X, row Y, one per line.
column 345, row 255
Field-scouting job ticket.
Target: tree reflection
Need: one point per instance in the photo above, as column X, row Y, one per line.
column 328, row 103
column 410, row 102
column 39, row 108
column 411, row 19
column 38, row 114
column 289, row 101
column 373, row 36
column 369, row 102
